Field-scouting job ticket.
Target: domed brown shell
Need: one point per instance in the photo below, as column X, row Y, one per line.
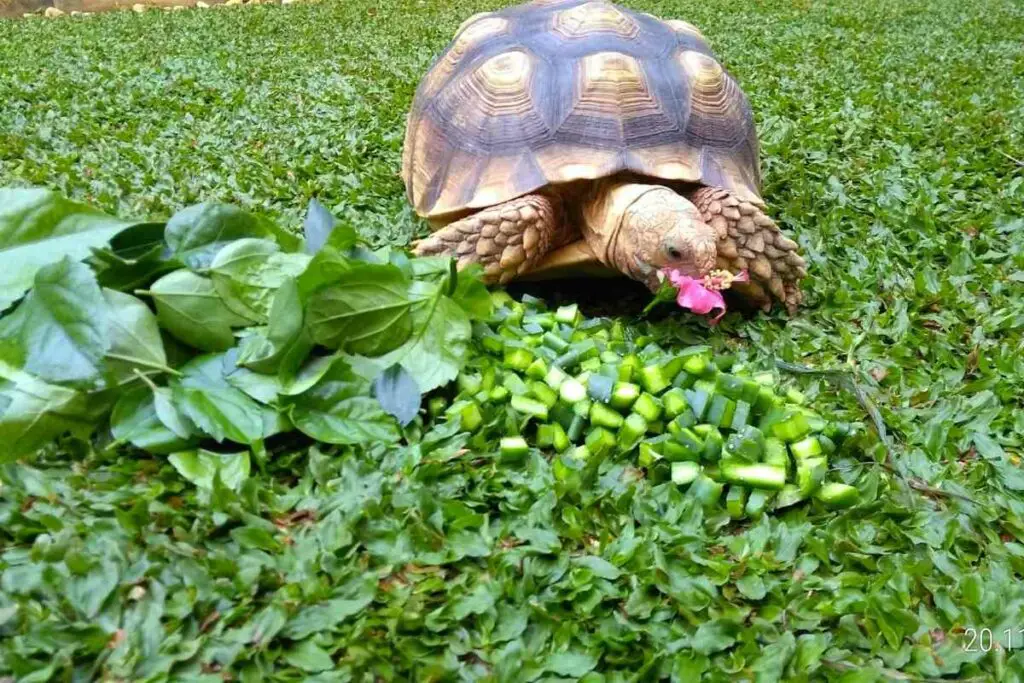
column 562, row 90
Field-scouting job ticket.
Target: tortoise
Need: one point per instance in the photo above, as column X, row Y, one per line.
column 567, row 137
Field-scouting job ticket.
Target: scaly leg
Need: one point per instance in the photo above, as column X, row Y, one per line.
column 506, row 239
column 748, row 239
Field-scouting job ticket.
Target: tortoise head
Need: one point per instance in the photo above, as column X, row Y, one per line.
column 642, row 229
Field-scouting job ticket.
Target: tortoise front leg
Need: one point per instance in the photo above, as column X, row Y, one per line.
column 749, row 240
column 507, row 239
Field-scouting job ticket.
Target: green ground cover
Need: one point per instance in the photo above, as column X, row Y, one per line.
column 893, row 140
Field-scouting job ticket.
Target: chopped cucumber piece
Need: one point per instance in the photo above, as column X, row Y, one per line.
column 721, row 411
column 775, row 453
column 436, row 405
column 513, row 448
column 493, row 344
column 648, row 454
column 554, row 342
column 569, row 315
column 767, row 400
column 742, row 415
column 736, row 501
column 837, row 495
column 582, row 408
column 810, row 472
column 806, row 448
column 468, row 412
column 629, row 366
column 537, row 369
column 514, row 383
column 714, row 444
column 757, row 501
column 674, row 402
column 789, row 495
column 634, row 427
column 690, row 442
column 543, row 393
column 747, row 444
column 576, row 427
column 599, row 387
column 571, row 391
column 699, row 401
column 792, row 427
column 529, row 406
column 623, row 394
column 652, row 379
column 600, row 440
column 590, row 364
column 469, row 383
column 697, row 360
column 795, row 396
column 555, row 377
column 706, row 490
column 498, row 394
column 603, row 416
column 757, row 475
column 685, row 473
column 518, row 358
column 765, row 379
column 646, row 405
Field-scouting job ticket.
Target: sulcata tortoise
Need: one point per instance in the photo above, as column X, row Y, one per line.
column 579, row 137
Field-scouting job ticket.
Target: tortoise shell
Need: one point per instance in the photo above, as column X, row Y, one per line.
column 558, row 91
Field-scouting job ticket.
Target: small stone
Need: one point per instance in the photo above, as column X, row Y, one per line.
column 52, row 13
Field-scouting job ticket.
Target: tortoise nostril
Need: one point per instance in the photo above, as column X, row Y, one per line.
column 674, row 253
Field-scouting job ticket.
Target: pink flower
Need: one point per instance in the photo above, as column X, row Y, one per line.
column 704, row 296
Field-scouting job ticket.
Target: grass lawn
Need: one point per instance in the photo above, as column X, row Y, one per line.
column 892, row 148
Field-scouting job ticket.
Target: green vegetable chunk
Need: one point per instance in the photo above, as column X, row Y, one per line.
column 758, row 475
column 513, row 448
column 685, row 473
column 837, row 495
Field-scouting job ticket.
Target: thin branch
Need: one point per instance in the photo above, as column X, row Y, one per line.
column 1016, row 161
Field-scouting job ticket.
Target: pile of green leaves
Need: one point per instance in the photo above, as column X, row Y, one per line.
column 249, row 332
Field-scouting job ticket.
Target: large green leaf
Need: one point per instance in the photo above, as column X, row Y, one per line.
column 201, row 466
column 189, row 307
column 339, row 410
column 34, row 413
column 135, row 342
column 436, row 349
column 135, row 420
column 365, row 310
column 39, row 227
column 196, row 233
column 285, row 343
column 248, row 272
column 62, row 327
column 215, row 406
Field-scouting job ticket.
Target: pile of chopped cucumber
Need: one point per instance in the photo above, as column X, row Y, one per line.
column 581, row 390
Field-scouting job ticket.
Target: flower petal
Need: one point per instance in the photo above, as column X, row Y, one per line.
column 695, row 297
